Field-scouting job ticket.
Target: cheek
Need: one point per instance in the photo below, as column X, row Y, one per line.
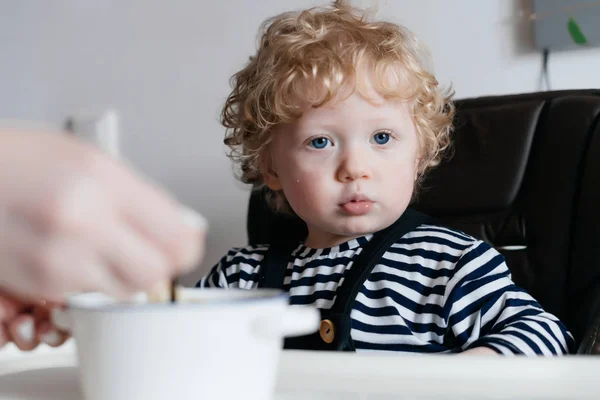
column 401, row 181
column 303, row 188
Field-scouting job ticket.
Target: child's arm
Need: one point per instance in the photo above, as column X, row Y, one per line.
column 216, row 278
column 237, row 269
column 485, row 309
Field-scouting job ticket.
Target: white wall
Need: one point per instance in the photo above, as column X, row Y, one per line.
column 165, row 67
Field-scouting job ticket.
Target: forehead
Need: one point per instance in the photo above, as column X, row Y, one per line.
column 360, row 109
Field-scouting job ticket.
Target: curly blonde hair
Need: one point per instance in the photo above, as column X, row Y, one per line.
column 306, row 59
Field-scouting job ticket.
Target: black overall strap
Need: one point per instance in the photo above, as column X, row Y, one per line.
column 274, row 266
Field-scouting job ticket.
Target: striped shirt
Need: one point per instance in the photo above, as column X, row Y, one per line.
column 435, row 290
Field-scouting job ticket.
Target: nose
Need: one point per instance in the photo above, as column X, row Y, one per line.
column 353, row 166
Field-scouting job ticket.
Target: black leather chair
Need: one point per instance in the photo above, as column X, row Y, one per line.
column 525, row 177
column 584, row 274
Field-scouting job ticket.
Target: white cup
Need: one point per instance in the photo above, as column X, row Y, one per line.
column 215, row 344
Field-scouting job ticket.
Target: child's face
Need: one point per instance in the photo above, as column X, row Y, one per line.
column 346, row 168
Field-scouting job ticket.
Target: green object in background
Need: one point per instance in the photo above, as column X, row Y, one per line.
column 575, row 32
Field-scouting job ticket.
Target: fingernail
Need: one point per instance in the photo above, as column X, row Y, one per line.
column 192, row 219
column 51, row 338
column 26, row 331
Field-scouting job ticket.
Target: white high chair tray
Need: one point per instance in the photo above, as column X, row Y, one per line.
column 51, row 374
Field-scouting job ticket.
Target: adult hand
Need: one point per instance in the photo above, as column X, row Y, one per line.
column 27, row 324
column 74, row 219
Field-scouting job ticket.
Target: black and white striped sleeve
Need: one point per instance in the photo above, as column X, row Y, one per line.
column 216, row 277
column 237, row 269
column 485, row 308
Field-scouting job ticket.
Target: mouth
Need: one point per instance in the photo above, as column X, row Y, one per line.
column 357, row 205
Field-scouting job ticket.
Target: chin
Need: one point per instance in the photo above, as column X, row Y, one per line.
column 360, row 228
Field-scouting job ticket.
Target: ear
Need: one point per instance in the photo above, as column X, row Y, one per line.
column 269, row 175
column 272, row 180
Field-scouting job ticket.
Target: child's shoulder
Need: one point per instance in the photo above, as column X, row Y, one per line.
column 440, row 252
column 438, row 242
column 439, row 234
column 252, row 254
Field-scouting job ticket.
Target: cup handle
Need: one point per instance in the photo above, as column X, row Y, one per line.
column 300, row 320
column 295, row 321
column 61, row 318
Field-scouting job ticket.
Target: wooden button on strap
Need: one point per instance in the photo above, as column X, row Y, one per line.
column 327, row 331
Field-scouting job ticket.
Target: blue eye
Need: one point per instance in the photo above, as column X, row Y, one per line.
column 319, row 143
column 381, row 138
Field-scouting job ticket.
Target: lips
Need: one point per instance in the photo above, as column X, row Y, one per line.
column 357, row 205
